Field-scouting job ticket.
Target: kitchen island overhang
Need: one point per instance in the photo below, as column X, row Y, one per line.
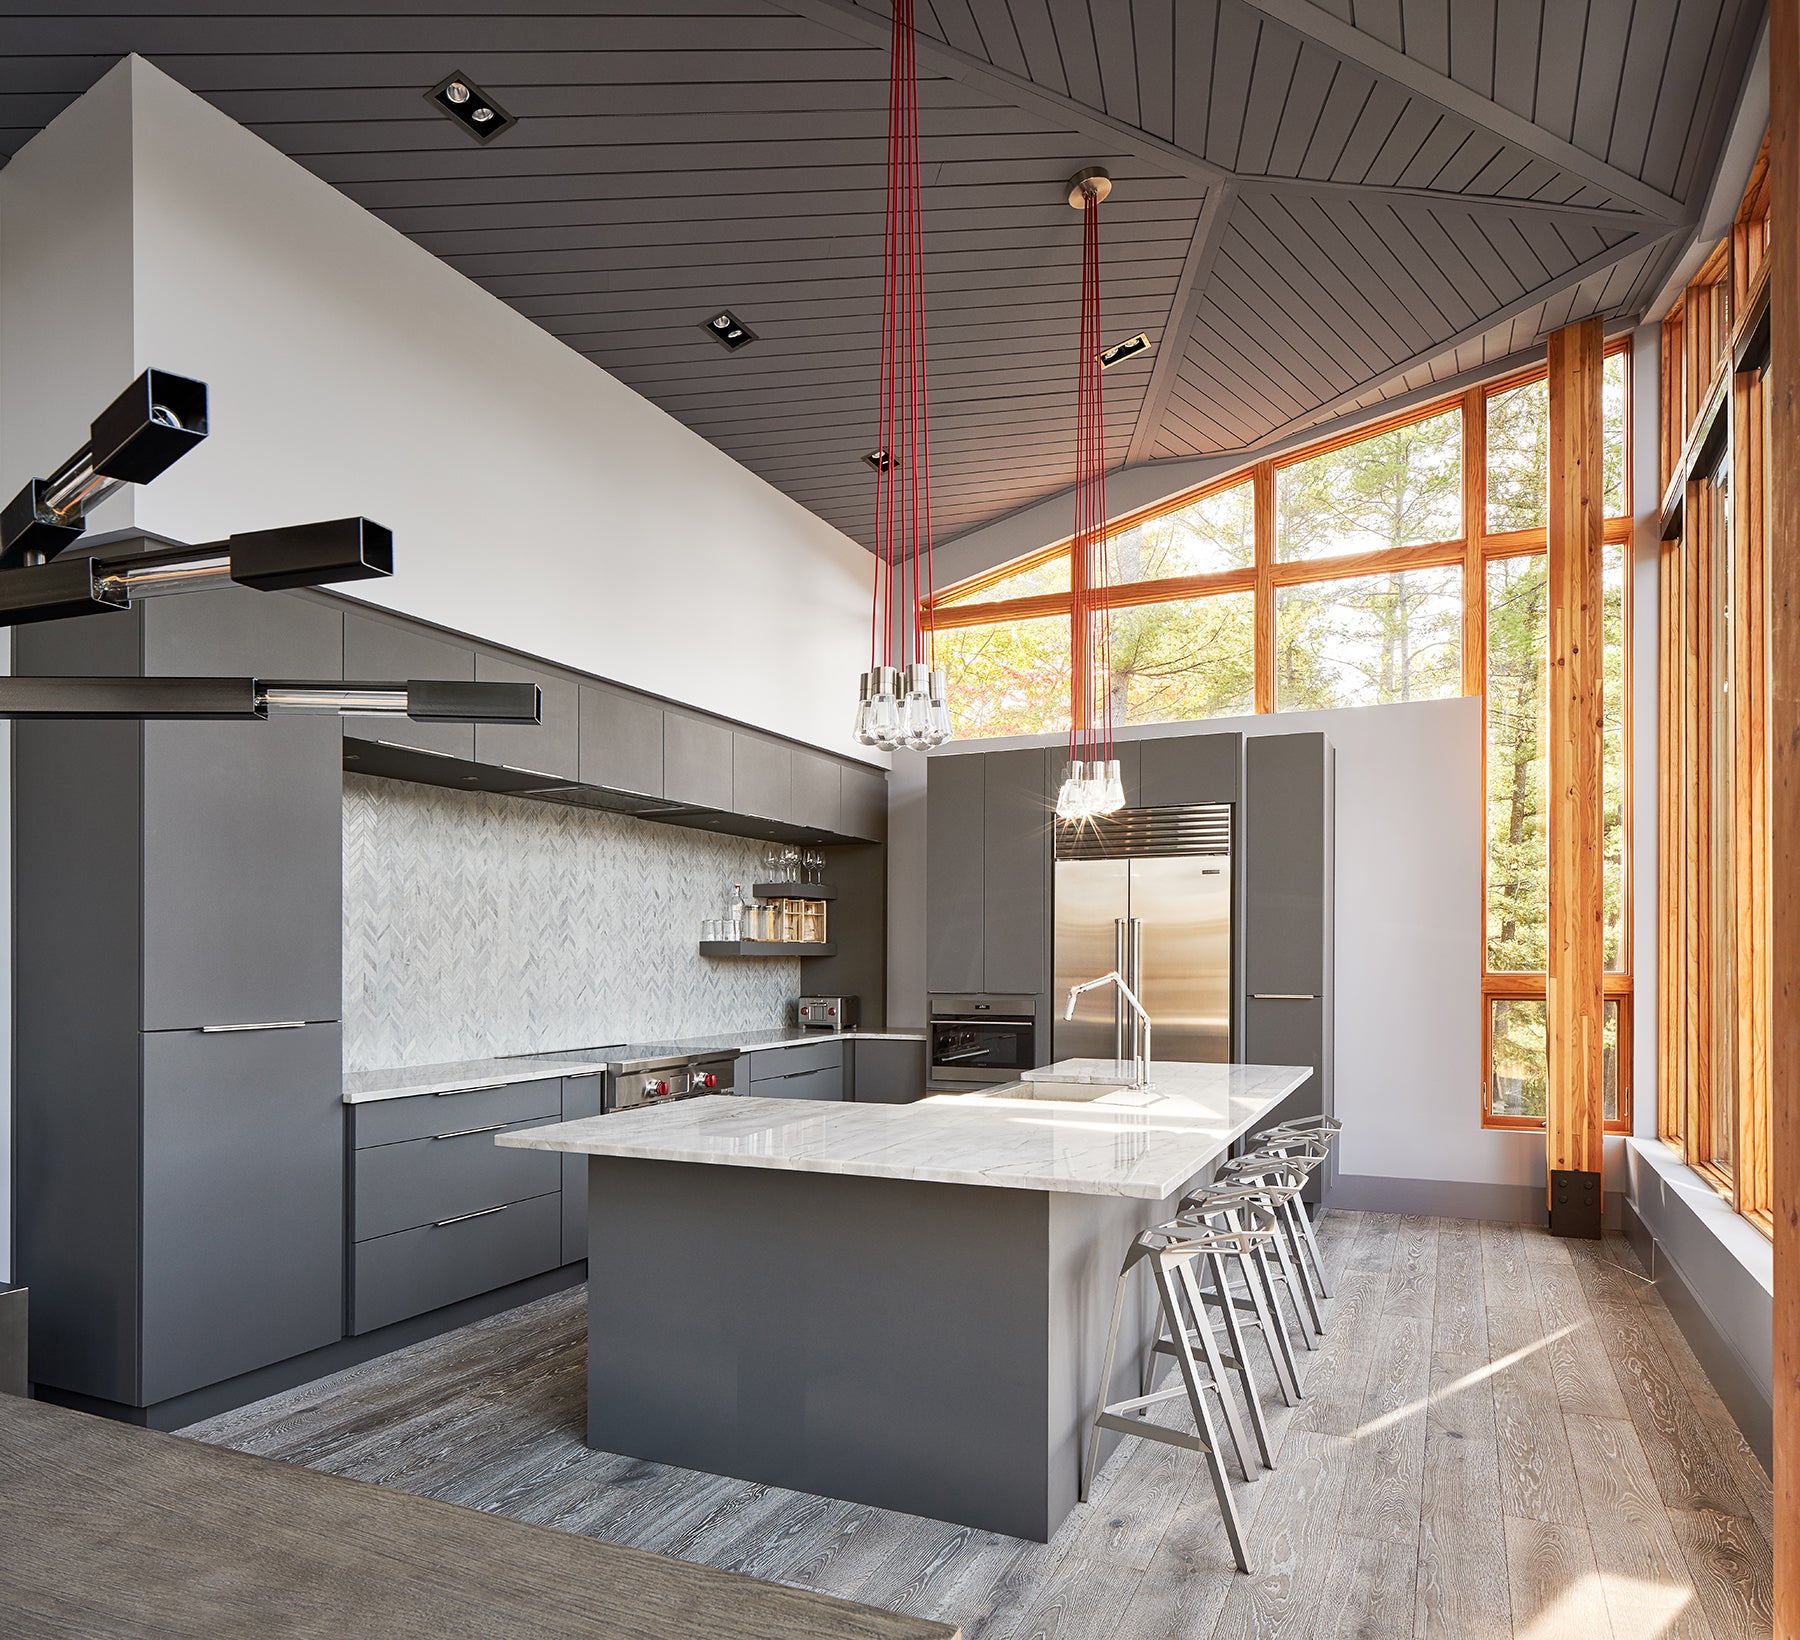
column 904, row 1306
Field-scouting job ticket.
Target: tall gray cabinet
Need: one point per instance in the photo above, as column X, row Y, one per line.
column 1287, row 849
column 178, row 891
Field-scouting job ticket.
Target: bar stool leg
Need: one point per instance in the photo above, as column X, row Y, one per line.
column 1240, row 1360
column 1184, row 1359
column 1312, row 1249
column 1292, row 1281
column 1294, row 1213
column 1278, row 1332
column 1267, row 1326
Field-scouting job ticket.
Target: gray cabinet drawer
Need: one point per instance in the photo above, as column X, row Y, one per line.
column 425, row 1115
column 418, row 1270
column 821, row 1084
column 399, row 1187
column 806, row 1056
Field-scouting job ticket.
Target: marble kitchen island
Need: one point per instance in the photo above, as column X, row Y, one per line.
column 900, row 1305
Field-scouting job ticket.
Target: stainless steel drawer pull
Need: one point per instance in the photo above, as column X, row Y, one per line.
column 261, row 1025
column 1283, row 996
column 482, row 1214
column 485, row 1087
column 463, row 1133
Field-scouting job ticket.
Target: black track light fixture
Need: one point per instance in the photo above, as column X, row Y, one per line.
column 461, row 99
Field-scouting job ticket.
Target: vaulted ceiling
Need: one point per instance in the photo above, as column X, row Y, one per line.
column 1317, row 204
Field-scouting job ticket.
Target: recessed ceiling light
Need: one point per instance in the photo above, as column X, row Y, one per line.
column 1119, row 352
column 880, row 460
column 729, row 332
column 472, row 108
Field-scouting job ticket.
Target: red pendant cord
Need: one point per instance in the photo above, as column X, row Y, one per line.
column 902, row 504
column 1090, row 721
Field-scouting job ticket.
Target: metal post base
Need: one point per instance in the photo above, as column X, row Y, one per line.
column 1574, row 1203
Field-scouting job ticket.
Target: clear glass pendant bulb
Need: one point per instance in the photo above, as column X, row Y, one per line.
column 1072, row 797
column 1113, row 789
column 915, row 709
column 939, row 691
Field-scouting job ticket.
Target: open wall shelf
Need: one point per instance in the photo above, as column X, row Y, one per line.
column 793, row 891
column 767, row 948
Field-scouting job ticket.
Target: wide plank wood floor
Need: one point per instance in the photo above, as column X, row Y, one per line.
column 1503, row 1434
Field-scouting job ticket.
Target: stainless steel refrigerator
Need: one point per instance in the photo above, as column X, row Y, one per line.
column 1148, row 892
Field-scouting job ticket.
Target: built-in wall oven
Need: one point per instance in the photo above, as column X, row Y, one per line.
column 978, row 1039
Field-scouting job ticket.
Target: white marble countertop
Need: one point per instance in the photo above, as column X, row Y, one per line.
column 365, row 1087
column 1114, row 1143
column 408, row 1081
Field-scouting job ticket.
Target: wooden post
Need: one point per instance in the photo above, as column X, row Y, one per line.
column 1784, row 785
column 1575, row 1121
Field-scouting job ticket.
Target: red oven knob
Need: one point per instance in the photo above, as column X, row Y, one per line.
column 656, row 1089
column 707, row 1080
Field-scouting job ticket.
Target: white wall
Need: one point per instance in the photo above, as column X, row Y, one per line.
column 1409, row 915
column 534, row 499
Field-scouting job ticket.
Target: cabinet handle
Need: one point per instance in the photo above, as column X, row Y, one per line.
column 260, row 1025
column 536, row 774
column 485, row 1087
column 463, row 1133
column 482, row 1214
column 1283, row 996
column 423, row 751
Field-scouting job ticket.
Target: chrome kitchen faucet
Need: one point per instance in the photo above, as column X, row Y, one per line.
column 1115, row 978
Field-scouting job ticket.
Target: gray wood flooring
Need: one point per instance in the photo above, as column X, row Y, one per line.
column 1503, row 1434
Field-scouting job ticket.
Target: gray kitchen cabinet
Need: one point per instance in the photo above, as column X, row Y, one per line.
column 185, row 1222
column 817, row 799
column 697, row 760
column 1286, row 865
column 243, row 909
column 821, row 1084
column 242, row 916
column 1287, row 848
column 863, row 801
column 550, row 747
column 955, row 872
column 1016, row 805
column 771, row 1064
column 621, row 742
column 413, row 1271
column 379, row 650
column 762, row 777
column 886, row 1072
column 423, row 1116
column 1185, row 769
column 580, row 1097
column 420, row 1181
column 243, row 1218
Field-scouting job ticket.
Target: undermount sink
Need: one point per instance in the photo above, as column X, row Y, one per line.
column 1074, row 1092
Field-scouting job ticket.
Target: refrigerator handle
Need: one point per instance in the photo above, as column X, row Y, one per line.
column 1135, row 979
column 1118, row 1002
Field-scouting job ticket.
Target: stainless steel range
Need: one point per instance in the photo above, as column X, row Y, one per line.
column 688, row 1076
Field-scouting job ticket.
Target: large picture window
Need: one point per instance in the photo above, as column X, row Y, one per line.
column 1404, row 561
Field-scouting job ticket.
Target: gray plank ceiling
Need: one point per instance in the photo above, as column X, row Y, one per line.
column 1317, row 207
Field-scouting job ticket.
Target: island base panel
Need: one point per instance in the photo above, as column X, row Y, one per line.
column 929, row 1348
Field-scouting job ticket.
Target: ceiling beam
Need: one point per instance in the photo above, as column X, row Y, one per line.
column 875, row 29
column 1598, row 215
column 1184, row 309
column 1350, row 43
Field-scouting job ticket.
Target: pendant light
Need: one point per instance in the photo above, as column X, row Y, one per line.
column 1091, row 784
column 903, row 701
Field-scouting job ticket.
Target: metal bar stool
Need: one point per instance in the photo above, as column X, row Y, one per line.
column 1171, row 1252
column 1243, row 1208
column 1309, row 1146
column 1282, row 1178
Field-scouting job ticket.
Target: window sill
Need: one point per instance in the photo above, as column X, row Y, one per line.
column 1744, row 1239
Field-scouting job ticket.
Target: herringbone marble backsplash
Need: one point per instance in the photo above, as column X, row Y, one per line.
column 477, row 925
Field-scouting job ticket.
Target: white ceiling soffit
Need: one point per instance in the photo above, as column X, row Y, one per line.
column 1319, row 205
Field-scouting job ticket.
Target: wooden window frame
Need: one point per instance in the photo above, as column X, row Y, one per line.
column 1715, row 414
column 1266, row 576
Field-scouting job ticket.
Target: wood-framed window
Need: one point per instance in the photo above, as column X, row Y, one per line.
column 1712, row 696
column 1400, row 560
